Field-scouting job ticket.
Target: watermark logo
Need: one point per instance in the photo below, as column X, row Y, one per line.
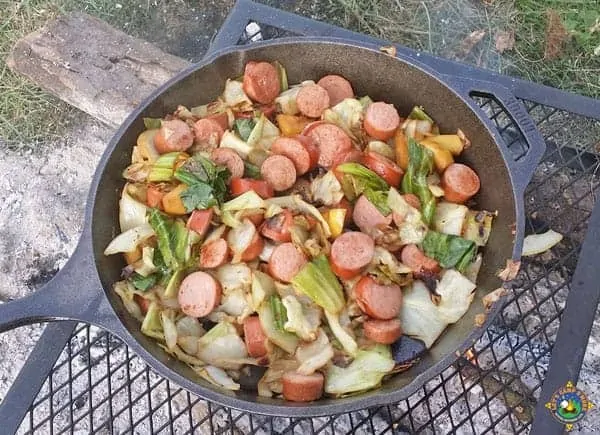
column 569, row 405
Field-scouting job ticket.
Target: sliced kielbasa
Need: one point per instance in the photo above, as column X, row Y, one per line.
column 337, row 87
column 382, row 331
column 254, row 249
column 279, row 172
column 199, row 294
column 277, row 227
column 302, row 388
column 366, row 216
column 332, row 141
column 207, row 134
column 200, row 220
column 350, row 253
column 417, row 261
column 285, row 262
column 230, row 159
column 384, row 167
column 173, row 135
column 296, row 150
column 379, row 301
column 239, row 186
column 254, row 337
column 261, row 82
column 214, row 254
column 460, row 183
column 381, row 120
column 312, row 100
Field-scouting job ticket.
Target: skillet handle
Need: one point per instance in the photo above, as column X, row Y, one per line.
column 75, row 293
column 522, row 167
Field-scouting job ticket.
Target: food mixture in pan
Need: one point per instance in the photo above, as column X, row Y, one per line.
column 302, row 229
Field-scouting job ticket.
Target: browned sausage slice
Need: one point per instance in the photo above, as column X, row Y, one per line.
column 302, row 388
column 199, row 294
column 229, row 158
column 414, row 258
column 459, row 183
column 382, row 331
column 279, row 172
column 366, row 216
column 350, row 253
column 381, row 120
column 285, row 262
column 337, row 87
column 261, row 82
column 312, row 100
column 294, row 150
column 254, row 337
column 207, row 134
column 174, row 135
column 332, row 141
column 214, row 254
column 382, row 302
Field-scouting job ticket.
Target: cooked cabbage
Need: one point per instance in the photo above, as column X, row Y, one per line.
column 130, row 239
column 412, row 229
column 449, row 218
column 345, row 339
column 456, row 293
column 327, row 189
column 132, row 213
column 302, row 320
column 222, row 346
column 419, row 316
column 233, row 276
column 234, row 96
column 313, row 356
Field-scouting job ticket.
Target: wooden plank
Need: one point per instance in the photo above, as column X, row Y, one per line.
column 93, row 66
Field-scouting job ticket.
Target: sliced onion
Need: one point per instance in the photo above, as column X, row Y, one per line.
column 129, row 240
column 169, row 328
column 218, row 377
column 537, row 243
column 132, row 213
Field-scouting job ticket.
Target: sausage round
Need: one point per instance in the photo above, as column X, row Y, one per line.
column 277, row 228
column 230, row 159
column 254, row 337
column 379, row 301
column 382, row 331
column 460, row 183
column 384, row 167
column 173, row 135
column 332, row 141
column 381, row 120
column 285, row 262
column 366, row 216
column 417, row 261
column 295, row 150
column 302, row 388
column 199, row 294
column 337, row 87
column 350, row 253
column 208, row 133
column 279, row 172
column 221, row 118
column 312, row 100
column 261, row 82
column 214, row 254
column 200, row 220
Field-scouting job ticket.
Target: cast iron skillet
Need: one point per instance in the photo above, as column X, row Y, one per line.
column 82, row 289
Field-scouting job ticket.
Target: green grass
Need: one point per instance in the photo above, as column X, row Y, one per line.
column 578, row 70
column 30, row 117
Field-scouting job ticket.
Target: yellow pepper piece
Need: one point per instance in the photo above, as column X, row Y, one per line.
column 172, row 203
column 335, row 219
column 291, row 125
column 442, row 158
column 401, row 145
column 450, row 142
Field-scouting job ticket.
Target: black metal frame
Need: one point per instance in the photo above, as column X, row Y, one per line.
column 576, row 318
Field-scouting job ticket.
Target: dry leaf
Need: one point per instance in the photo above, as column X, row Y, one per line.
column 510, row 271
column 480, row 320
column 504, row 40
column 467, row 45
column 389, row 50
column 492, row 297
column 556, row 35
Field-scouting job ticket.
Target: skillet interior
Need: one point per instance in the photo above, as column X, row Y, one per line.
column 371, row 73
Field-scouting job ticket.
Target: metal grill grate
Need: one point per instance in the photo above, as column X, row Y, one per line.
column 98, row 386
